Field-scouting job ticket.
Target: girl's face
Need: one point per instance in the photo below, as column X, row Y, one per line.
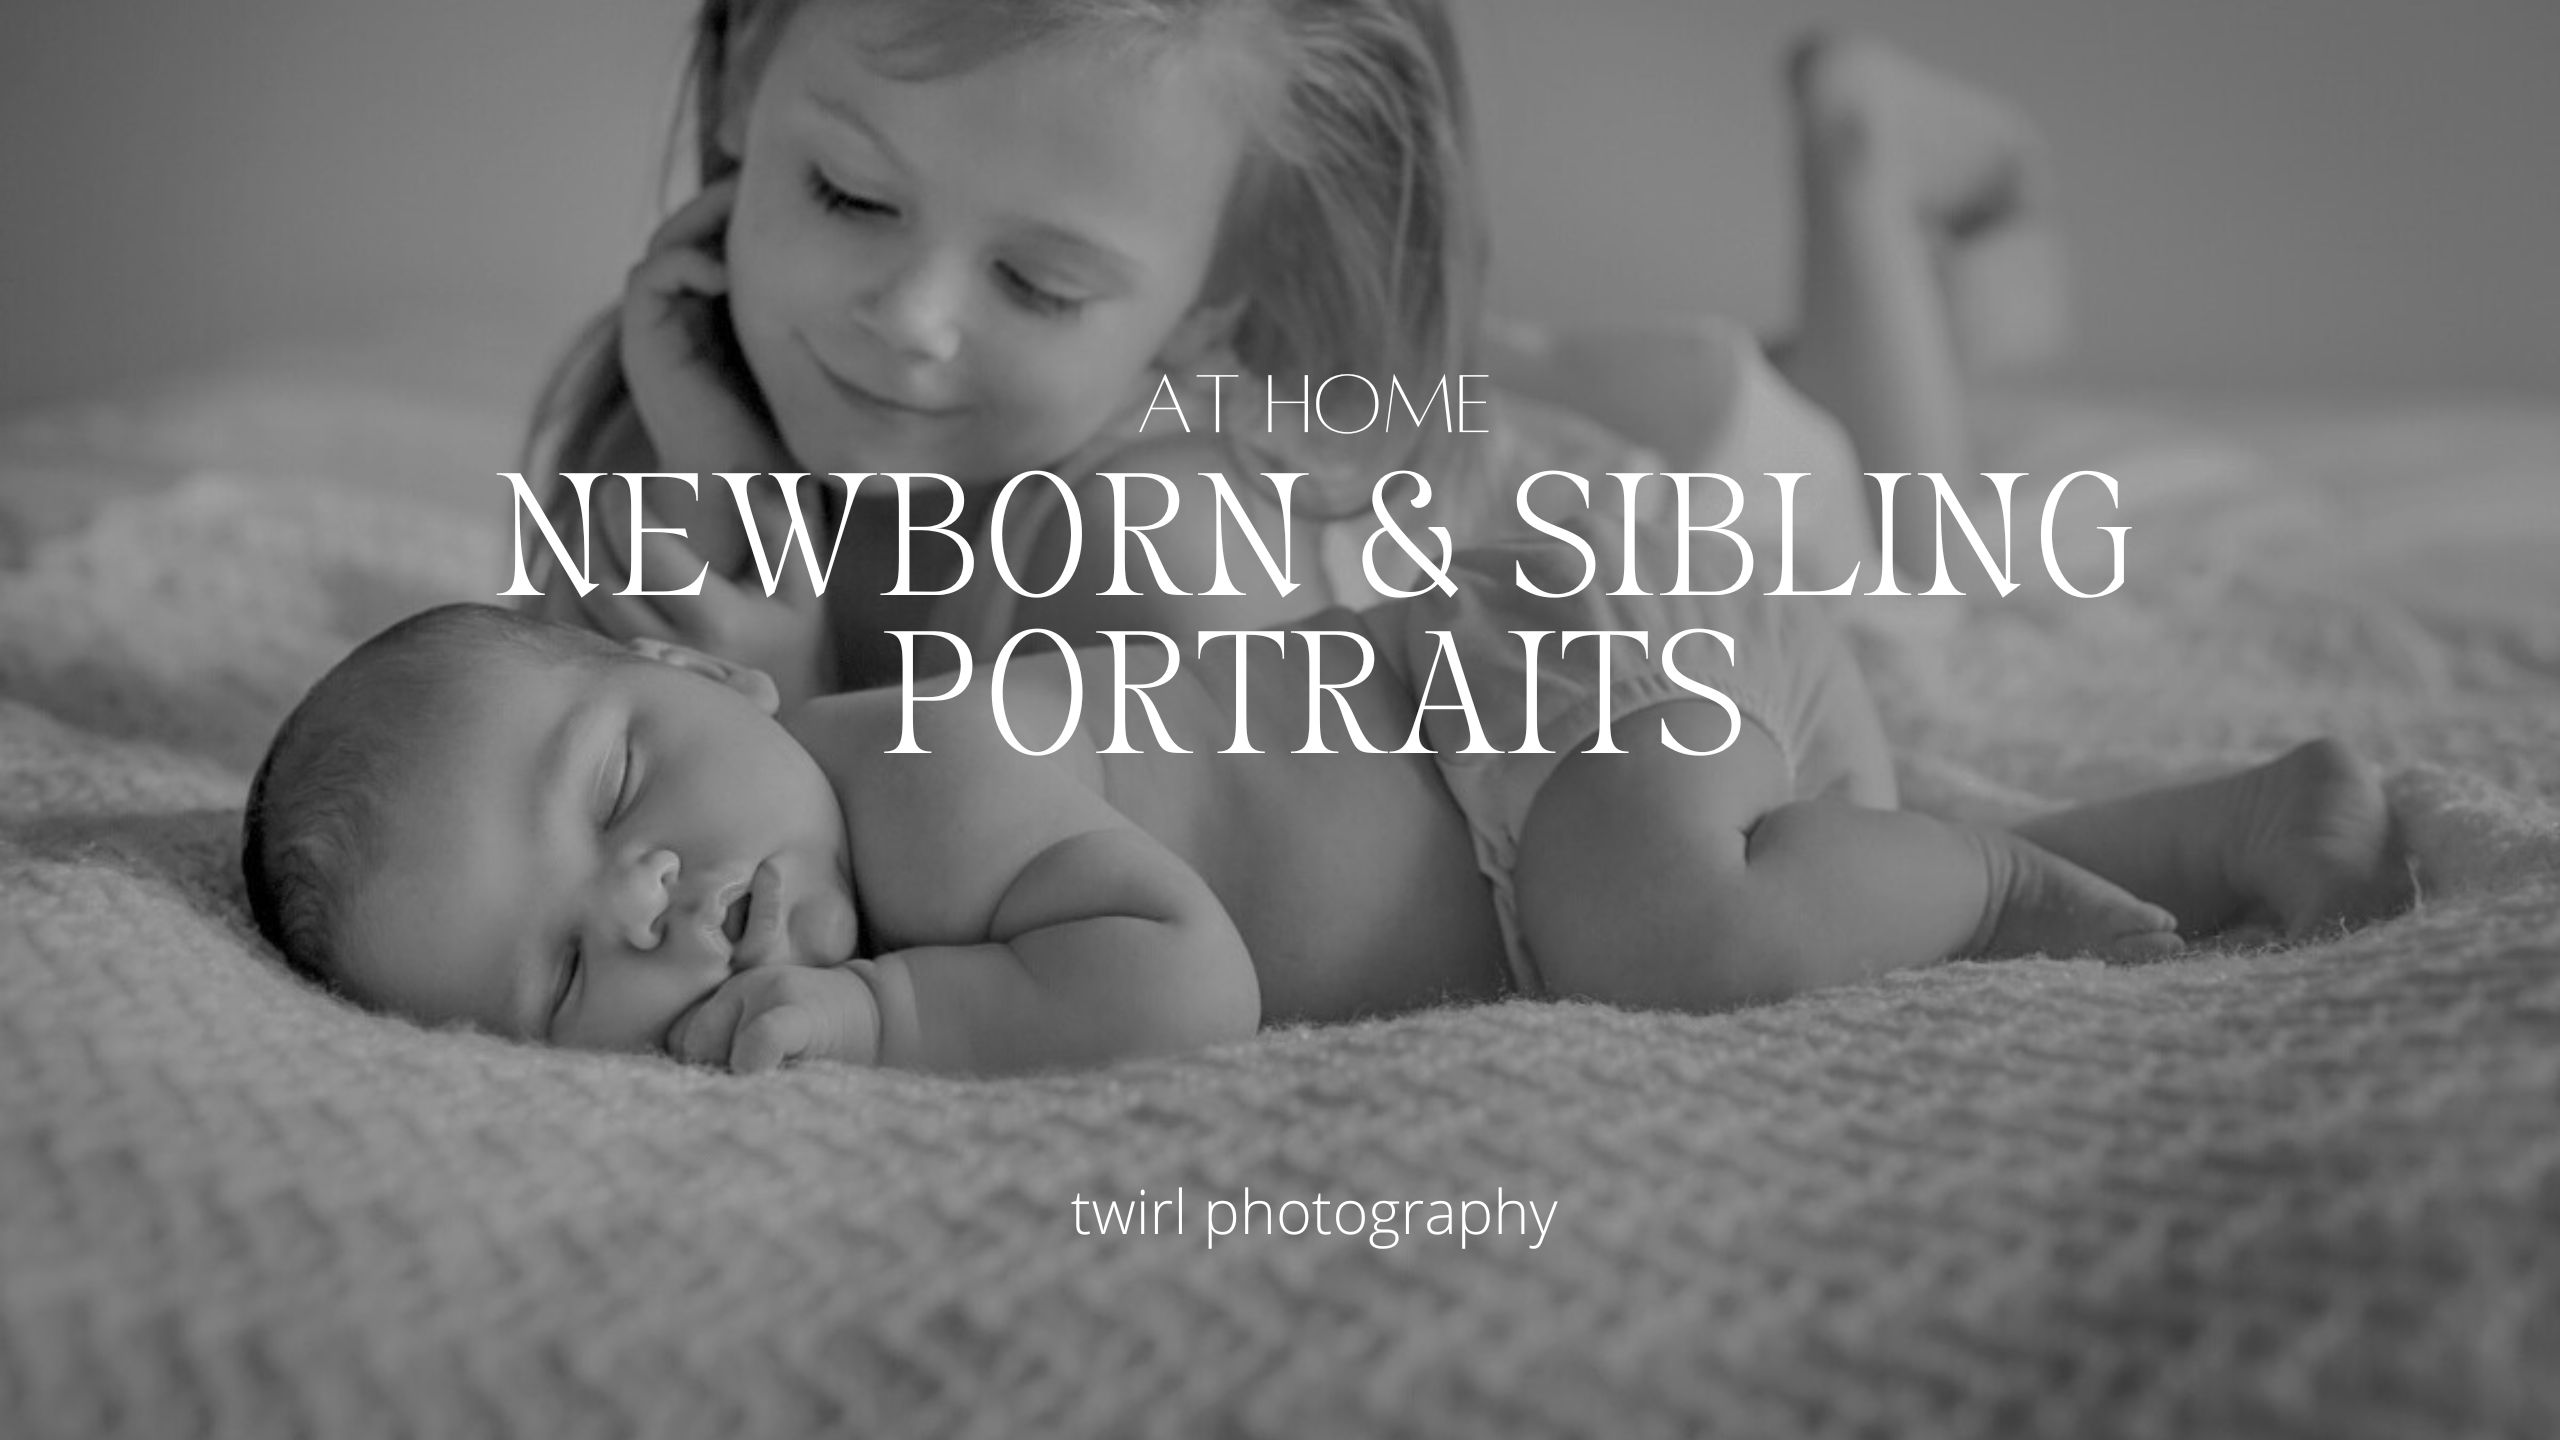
column 970, row 274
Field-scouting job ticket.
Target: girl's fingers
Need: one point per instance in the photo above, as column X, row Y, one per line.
column 558, row 600
column 710, row 620
column 610, row 612
column 676, row 272
column 608, row 530
column 672, row 564
column 698, row 219
column 627, row 617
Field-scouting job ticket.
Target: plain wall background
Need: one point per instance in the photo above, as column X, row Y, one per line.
column 2340, row 195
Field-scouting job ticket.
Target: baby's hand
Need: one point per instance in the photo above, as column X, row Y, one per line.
column 759, row 1019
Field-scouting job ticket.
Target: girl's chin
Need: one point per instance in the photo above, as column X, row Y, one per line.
column 912, row 445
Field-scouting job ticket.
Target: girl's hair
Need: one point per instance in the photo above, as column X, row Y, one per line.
column 1353, row 244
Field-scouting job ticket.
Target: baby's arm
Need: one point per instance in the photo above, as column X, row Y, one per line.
column 1042, row 929
column 1104, row 947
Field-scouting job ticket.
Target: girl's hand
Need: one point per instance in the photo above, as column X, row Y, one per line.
column 688, row 379
column 760, row 1019
column 784, row 634
column 692, row 391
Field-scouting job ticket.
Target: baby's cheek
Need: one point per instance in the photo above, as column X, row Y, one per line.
column 828, row 933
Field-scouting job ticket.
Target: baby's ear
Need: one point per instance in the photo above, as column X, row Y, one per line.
column 747, row 680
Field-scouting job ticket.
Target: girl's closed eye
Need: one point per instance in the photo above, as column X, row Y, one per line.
column 1036, row 296
column 837, row 200
column 1039, row 296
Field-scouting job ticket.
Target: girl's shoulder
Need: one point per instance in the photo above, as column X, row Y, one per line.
column 1699, row 392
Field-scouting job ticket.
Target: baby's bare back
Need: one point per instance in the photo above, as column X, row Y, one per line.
column 1351, row 875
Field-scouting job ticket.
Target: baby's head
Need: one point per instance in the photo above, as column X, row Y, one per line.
column 479, row 817
column 970, row 234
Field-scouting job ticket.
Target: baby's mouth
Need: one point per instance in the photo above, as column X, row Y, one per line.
column 733, row 923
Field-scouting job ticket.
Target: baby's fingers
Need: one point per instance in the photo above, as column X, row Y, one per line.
column 701, row 1035
column 783, row 1033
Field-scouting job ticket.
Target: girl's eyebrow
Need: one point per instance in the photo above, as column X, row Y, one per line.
column 844, row 114
column 1116, row 268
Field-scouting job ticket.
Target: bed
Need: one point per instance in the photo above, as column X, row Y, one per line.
column 2311, row 1189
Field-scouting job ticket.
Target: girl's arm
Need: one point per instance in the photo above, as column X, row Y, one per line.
column 692, row 410
column 689, row 382
column 1184, row 532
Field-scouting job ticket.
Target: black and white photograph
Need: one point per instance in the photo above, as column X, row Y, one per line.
column 1008, row 718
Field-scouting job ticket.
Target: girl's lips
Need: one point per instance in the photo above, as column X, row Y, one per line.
column 865, row 395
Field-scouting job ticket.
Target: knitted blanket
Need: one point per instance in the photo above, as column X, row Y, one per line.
column 2303, row 1190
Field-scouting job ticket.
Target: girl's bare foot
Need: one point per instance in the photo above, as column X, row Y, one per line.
column 2042, row 904
column 2309, row 842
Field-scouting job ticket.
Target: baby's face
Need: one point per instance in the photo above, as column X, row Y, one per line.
column 594, row 848
column 970, row 274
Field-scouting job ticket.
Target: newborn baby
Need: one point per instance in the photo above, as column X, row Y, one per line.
column 483, row 818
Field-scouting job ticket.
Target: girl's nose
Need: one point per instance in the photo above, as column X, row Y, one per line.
column 637, row 895
column 916, row 307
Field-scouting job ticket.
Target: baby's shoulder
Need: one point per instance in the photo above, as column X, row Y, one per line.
column 935, row 803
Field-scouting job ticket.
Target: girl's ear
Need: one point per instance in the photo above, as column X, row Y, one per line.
column 744, row 41
column 747, row 680
column 1203, row 336
column 731, row 134
column 737, row 95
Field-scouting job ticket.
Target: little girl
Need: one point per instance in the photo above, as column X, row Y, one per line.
column 976, row 238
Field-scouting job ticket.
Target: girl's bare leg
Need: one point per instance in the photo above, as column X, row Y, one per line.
column 1658, row 879
column 1927, row 255
column 2300, row 844
column 1653, row 878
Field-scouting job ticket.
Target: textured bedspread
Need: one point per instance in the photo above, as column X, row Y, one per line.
column 2309, row 1191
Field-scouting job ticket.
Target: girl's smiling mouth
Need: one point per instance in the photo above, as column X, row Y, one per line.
column 866, row 397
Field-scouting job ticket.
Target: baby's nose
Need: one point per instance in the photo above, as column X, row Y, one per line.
column 641, row 891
